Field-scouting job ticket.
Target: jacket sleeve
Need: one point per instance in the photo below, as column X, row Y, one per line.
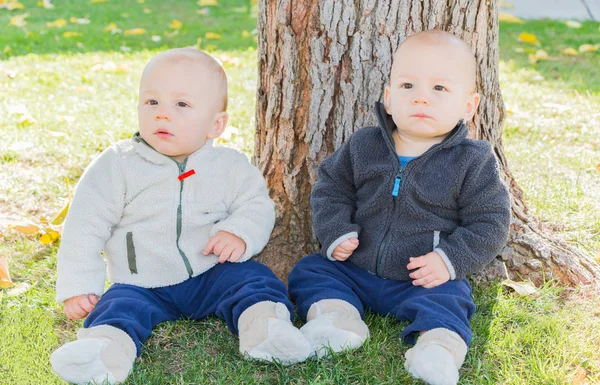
column 96, row 208
column 484, row 212
column 333, row 201
column 252, row 212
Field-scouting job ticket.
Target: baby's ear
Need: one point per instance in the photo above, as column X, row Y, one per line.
column 471, row 107
column 386, row 98
column 220, row 123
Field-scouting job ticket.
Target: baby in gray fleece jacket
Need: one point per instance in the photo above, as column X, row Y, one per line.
column 178, row 221
column 404, row 212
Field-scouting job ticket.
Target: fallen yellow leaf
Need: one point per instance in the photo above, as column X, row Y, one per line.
column 112, row 28
column 508, row 18
column 245, row 33
column 82, row 20
column 212, row 35
column 135, row 31
column 570, row 51
column 529, row 38
column 204, row 3
column 27, row 120
column 140, row 1
column 46, row 239
column 147, row 10
column 25, row 228
column 176, row 24
column 58, row 23
column 98, row 1
column 60, row 217
column 11, row 5
column 19, row 20
column 211, row 47
column 45, row 4
column 540, row 54
column 69, row 34
column 4, row 273
column 588, row 47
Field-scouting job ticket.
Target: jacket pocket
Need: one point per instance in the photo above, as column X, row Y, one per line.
column 131, row 260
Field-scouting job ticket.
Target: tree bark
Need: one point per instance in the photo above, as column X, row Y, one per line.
column 323, row 63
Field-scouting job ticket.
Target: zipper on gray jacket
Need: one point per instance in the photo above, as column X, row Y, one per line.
column 181, row 167
column 395, row 192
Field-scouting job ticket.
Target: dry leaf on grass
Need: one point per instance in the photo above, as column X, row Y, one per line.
column 522, row 288
column 18, row 289
column 19, row 20
column 4, row 273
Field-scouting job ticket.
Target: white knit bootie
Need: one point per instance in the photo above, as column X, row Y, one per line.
column 436, row 357
column 334, row 324
column 266, row 333
column 101, row 354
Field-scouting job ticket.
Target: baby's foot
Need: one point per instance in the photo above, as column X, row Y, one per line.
column 334, row 325
column 79, row 362
column 437, row 357
column 102, row 355
column 266, row 333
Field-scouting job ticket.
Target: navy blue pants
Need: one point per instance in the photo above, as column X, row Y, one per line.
column 226, row 290
column 449, row 305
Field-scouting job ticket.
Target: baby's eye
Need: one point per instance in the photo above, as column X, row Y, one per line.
column 182, row 104
column 407, row 86
column 151, row 102
column 440, row 88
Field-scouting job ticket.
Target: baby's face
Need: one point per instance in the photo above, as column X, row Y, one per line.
column 431, row 89
column 178, row 107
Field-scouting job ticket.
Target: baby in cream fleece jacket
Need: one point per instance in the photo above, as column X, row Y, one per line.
column 178, row 221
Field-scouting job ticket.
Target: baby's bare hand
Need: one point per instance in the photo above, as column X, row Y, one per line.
column 431, row 270
column 345, row 249
column 80, row 306
column 226, row 246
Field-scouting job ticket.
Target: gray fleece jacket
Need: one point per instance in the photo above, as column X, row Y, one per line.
column 450, row 200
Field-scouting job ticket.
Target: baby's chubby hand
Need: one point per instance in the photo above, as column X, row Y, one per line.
column 345, row 249
column 80, row 306
column 431, row 270
column 226, row 246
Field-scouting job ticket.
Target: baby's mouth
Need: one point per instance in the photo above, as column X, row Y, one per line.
column 162, row 133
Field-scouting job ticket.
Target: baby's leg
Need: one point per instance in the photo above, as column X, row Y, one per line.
column 441, row 315
column 326, row 296
column 255, row 305
column 114, row 331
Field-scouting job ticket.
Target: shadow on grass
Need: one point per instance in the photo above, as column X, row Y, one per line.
column 580, row 72
column 229, row 25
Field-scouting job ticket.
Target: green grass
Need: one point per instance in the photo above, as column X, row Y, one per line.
column 551, row 140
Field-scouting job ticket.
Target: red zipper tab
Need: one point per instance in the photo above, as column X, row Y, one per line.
column 186, row 174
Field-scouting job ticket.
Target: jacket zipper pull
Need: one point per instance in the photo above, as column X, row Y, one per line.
column 397, row 182
column 396, row 186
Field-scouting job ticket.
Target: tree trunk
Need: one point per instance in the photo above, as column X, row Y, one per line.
column 323, row 63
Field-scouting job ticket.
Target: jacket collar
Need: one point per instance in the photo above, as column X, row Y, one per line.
column 150, row 154
column 387, row 125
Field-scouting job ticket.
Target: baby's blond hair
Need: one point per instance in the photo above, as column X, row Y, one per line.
column 211, row 64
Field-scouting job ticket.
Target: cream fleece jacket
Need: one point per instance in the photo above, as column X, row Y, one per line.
column 152, row 227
